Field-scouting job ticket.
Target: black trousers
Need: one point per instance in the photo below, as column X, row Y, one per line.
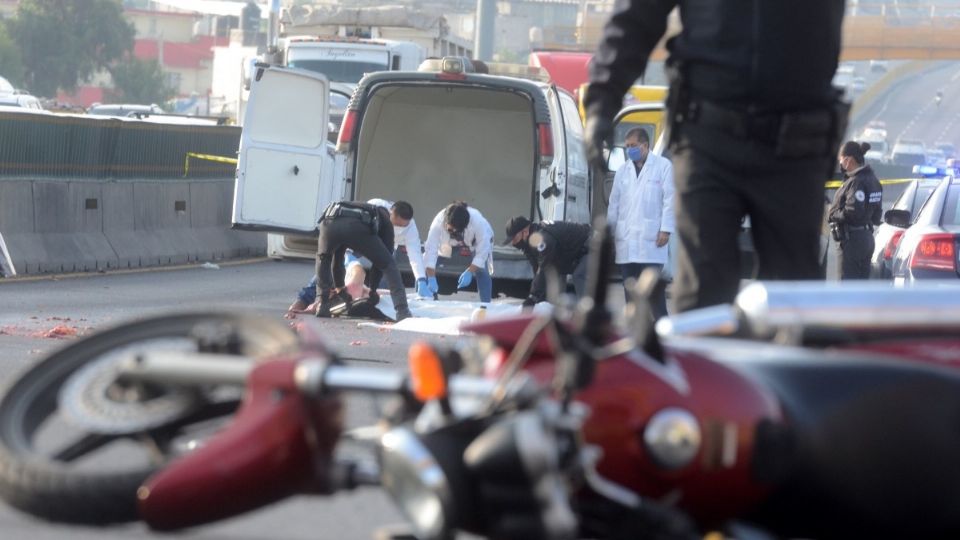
column 855, row 253
column 338, row 234
column 719, row 178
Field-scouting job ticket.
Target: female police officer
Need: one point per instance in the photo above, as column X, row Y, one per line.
column 855, row 211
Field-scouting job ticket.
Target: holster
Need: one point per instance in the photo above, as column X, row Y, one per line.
column 813, row 133
column 808, row 133
column 838, row 232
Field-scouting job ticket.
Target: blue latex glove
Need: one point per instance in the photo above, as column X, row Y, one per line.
column 466, row 278
column 348, row 258
column 433, row 285
column 423, row 290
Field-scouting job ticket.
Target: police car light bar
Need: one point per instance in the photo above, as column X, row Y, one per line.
column 929, row 171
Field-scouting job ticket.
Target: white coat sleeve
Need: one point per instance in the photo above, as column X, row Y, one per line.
column 414, row 250
column 433, row 242
column 613, row 209
column 484, row 243
column 667, row 219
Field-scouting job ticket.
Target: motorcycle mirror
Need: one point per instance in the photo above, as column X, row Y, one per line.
column 639, row 311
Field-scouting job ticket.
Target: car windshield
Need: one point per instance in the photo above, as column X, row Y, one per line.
column 951, row 207
column 338, row 70
column 923, row 193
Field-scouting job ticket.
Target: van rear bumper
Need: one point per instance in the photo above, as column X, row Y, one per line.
column 506, row 265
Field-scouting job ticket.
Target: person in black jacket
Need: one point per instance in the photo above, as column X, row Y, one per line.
column 855, row 211
column 366, row 229
column 556, row 244
column 753, row 123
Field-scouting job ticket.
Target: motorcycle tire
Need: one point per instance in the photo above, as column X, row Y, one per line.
column 61, row 490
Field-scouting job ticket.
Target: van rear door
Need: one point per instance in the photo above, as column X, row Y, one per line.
column 285, row 172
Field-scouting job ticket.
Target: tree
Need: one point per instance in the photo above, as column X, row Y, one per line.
column 139, row 81
column 11, row 68
column 64, row 42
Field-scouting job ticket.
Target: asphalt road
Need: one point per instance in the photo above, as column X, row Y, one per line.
column 29, row 309
column 910, row 112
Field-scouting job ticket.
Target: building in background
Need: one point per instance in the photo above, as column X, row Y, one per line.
column 181, row 36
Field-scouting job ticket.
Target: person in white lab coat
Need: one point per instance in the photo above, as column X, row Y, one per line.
column 640, row 212
column 461, row 226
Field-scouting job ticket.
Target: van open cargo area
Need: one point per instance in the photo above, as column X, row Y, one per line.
column 479, row 143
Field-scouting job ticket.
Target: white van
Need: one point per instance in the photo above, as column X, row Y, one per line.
column 506, row 145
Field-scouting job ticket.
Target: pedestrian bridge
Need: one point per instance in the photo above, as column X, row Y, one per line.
column 872, row 30
column 891, row 36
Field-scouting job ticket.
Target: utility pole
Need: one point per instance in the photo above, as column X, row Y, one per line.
column 484, row 29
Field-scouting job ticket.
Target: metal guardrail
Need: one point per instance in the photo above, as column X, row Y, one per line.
column 81, row 147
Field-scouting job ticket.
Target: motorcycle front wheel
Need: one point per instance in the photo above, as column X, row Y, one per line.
column 76, row 441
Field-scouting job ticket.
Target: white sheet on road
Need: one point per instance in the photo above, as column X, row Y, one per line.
column 442, row 316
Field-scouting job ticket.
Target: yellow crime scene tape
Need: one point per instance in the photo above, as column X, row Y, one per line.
column 837, row 183
column 208, row 157
column 233, row 161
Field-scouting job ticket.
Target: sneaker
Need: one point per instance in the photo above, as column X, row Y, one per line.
column 403, row 313
column 374, row 298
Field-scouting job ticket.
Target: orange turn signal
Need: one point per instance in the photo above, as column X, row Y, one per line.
column 426, row 372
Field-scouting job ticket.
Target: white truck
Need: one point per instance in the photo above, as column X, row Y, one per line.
column 346, row 60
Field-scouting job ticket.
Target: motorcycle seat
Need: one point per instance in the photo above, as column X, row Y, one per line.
column 869, row 447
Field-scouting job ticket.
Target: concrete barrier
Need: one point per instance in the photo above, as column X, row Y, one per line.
column 77, row 226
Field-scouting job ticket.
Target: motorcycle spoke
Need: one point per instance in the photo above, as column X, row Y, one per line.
column 160, row 440
column 84, row 445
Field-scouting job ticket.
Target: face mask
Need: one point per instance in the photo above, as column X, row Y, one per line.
column 634, row 153
column 455, row 235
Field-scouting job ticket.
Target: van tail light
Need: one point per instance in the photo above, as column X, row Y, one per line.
column 546, row 143
column 935, row 252
column 892, row 244
column 346, row 130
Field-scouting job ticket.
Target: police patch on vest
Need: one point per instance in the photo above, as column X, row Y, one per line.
column 541, row 246
column 859, row 196
column 876, row 196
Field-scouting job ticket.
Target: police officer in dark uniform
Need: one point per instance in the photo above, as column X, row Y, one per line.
column 855, row 211
column 556, row 244
column 366, row 229
column 754, row 122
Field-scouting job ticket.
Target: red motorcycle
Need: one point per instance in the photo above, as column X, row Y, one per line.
column 821, row 412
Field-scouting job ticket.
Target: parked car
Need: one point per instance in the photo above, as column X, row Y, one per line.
column 889, row 234
column 858, row 85
column 119, row 109
column 929, row 248
column 948, row 148
column 16, row 99
column 504, row 144
column 908, row 153
column 879, row 66
column 936, row 158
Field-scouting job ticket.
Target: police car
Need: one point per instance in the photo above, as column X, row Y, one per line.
column 901, row 215
column 929, row 247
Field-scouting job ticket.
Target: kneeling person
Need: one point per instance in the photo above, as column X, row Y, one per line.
column 557, row 244
column 459, row 225
column 366, row 230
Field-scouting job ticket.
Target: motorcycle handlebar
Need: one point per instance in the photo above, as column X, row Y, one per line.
column 316, row 377
column 313, row 376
